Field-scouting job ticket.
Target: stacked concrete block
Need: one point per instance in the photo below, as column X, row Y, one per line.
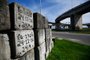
column 4, row 47
column 19, row 41
column 21, row 18
column 21, row 34
column 4, row 15
column 43, row 37
column 48, row 40
column 39, row 29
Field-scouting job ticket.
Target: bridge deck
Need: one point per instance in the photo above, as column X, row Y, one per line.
column 81, row 9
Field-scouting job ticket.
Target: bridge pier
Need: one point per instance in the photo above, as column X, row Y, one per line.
column 88, row 26
column 76, row 22
column 57, row 25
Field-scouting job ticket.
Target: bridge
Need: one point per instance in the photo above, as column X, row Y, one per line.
column 75, row 15
column 66, row 25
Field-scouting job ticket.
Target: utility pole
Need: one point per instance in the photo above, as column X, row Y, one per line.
column 40, row 6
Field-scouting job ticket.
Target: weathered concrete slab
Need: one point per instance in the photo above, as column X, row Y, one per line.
column 38, row 21
column 48, row 38
column 4, row 15
column 4, row 47
column 39, row 36
column 21, row 17
column 21, row 41
column 40, row 52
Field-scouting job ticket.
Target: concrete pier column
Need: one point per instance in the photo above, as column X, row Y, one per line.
column 88, row 26
column 76, row 22
column 57, row 25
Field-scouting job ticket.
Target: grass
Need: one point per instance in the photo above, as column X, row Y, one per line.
column 67, row 50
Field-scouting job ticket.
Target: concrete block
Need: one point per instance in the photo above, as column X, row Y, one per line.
column 39, row 36
column 4, row 15
column 50, row 49
column 21, row 17
column 4, row 47
column 42, row 57
column 48, row 38
column 40, row 52
column 52, row 45
column 21, row 41
column 47, row 54
column 30, row 55
column 38, row 21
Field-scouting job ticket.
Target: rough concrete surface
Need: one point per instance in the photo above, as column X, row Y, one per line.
column 4, row 47
column 21, row 41
column 4, row 15
column 39, row 36
column 40, row 52
column 48, row 38
column 38, row 21
column 21, row 18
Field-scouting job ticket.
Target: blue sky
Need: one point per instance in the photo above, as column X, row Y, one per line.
column 52, row 8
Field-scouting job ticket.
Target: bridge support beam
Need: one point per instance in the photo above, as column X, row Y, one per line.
column 76, row 22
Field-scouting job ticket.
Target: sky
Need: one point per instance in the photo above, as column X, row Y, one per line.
column 51, row 9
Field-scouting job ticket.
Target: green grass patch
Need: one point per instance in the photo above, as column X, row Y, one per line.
column 67, row 50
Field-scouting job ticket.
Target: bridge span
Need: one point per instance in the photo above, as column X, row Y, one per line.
column 75, row 15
